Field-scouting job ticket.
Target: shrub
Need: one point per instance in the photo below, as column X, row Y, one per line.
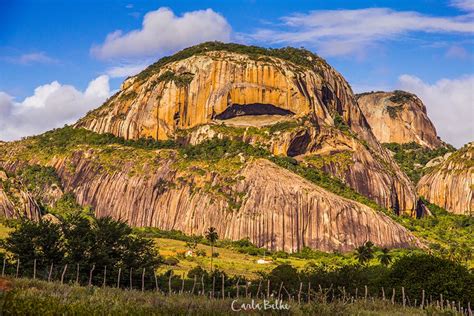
column 171, row 261
column 435, row 275
column 201, row 253
column 215, row 255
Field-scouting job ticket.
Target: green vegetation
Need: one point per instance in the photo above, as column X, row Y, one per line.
column 448, row 235
column 212, row 237
column 79, row 240
column 299, row 57
column 181, row 80
column 394, row 110
column 412, row 157
column 342, row 159
column 37, row 177
column 401, row 97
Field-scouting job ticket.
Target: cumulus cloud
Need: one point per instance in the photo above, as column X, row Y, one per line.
column 342, row 32
column 125, row 70
column 449, row 103
column 162, row 31
column 52, row 105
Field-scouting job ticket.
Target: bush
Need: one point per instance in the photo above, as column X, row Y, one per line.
column 215, row 255
column 201, row 253
column 171, row 261
column 434, row 275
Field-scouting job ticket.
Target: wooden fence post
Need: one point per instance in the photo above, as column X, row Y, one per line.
column 17, row 267
column 279, row 290
column 246, row 289
column 64, row 272
column 156, row 281
column 169, row 283
column 50, row 272
column 238, row 287
column 366, row 293
column 258, row 289
column 202, row 284
column 299, row 293
column 393, row 296
column 309, row 292
column 182, row 284
column 194, row 285
column 422, row 299
column 77, row 273
column 90, row 274
column 34, row 269
column 213, row 285
column 223, row 286
column 143, row 280
column 105, row 276
column 268, row 289
column 131, row 279
column 118, row 278
column 403, row 297
column 4, row 264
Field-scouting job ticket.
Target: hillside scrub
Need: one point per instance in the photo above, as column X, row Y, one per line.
column 412, row 157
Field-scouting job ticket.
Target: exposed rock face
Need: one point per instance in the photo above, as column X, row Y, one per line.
column 279, row 209
column 216, row 86
column 363, row 169
column 450, row 184
column 15, row 202
column 195, row 90
column 398, row 117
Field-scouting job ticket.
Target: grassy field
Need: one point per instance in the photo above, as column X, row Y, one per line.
column 230, row 261
column 33, row 297
column 235, row 263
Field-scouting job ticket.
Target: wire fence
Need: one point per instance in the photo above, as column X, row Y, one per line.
column 218, row 286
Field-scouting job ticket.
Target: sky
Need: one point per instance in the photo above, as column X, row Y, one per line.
column 60, row 59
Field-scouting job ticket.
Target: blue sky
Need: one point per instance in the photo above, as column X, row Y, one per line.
column 59, row 59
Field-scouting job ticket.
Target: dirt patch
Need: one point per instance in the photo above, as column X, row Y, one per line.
column 5, row 285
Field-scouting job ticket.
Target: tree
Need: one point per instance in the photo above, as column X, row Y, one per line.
column 365, row 252
column 212, row 237
column 35, row 240
column 385, row 257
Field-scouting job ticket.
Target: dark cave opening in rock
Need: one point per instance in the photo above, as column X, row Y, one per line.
column 298, row 145
column 236, row 110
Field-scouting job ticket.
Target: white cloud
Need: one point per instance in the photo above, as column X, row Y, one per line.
column 52, row 105
column 465, row 5
column 342, row 32
column 450, row 105
column 457, row 52
column 162, row 31
column 125, row 70
column 31, row 58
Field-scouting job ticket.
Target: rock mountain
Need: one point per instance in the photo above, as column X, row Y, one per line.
column 398, row 117
column 266, row 144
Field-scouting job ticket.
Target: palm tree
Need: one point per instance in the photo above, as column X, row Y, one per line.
column 212, row 237
column 385, row 257
column 365, row 252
